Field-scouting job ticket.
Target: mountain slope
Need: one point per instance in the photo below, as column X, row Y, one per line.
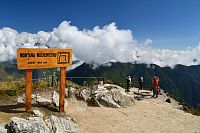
column 182, row 82
column 10, row 69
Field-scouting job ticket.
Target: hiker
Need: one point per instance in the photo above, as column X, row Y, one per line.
column 140, row 82
column 128, row 83
column 156, row 89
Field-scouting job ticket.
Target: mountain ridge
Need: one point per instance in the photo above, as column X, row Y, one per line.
column 182, row 82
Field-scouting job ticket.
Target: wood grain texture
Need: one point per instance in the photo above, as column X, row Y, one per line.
column 28, row 90
column 62, row 89
column 35, row 58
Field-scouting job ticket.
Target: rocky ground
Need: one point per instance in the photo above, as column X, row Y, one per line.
column 145, row 115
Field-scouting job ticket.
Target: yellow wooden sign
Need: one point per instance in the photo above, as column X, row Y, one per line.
column 35, row 58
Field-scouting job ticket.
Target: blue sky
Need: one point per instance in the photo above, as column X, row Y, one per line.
column 173, row 24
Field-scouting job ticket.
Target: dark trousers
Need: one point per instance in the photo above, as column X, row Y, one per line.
column 128, row 87
column 155, row 92
column 140, row 86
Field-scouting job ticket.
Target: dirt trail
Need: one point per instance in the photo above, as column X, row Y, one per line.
column 148, row 115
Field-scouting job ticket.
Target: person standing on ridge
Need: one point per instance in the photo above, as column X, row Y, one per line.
column 155, row 86
column 140, row 82
column 128, row 80
column 158, row 87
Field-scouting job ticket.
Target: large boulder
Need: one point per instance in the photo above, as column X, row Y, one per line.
column 61, row 125
column 108, row 95
column 122, row 98
column 85, row 94
column 112, row 86
column 3, row 129
column 108, row 101
column 52, row 124
column 30, row 125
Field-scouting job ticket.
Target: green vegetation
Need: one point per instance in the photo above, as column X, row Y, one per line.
column 182, row 82
column 109, row 81
column 12, row 88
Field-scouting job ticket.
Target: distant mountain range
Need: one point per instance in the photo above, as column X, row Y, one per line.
column 182, row 82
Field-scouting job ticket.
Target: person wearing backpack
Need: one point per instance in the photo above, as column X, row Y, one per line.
column 155, row 86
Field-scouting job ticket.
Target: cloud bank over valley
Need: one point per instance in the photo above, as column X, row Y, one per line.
column 97, row 46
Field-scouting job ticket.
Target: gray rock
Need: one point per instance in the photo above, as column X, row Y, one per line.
column 121, row 98
column 20, row 100
column 98, row 89
column 85, row 94
column 43, row 101
column 55, row 98
column 181, row 107
column 96, row 102
column 108, row 95
column 112, row 86
column 70, row 92
column 30, row 125
column 34, row 96
column 3, row 129
column 101, row 83
column 37, row 113
column 61, row 125
column 66, row 92
column 107, row 100
column 55, row 101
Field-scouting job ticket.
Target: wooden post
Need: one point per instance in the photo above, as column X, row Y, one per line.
column 52, row 81
column 28, row 89
column 62, row 89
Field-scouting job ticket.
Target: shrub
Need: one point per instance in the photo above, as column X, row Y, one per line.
column 9, row 79
column 109, row 81
column 11, row 92
column 69, row 83
column 43, row 84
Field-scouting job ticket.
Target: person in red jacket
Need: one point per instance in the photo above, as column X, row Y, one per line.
column 156, row 88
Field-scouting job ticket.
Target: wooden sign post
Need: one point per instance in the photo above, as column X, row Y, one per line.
column 62, row 88
column 36, row 58
column 28, row 89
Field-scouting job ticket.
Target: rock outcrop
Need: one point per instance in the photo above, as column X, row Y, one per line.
column 29, row 125
column 85, row 94
column 108, row 95
column 3, row 129
column 61, row 125
column 52, row 124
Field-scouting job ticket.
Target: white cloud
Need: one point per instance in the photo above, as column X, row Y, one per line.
column 97, row 46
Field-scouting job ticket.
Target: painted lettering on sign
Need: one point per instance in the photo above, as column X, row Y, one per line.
column 35, row 58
